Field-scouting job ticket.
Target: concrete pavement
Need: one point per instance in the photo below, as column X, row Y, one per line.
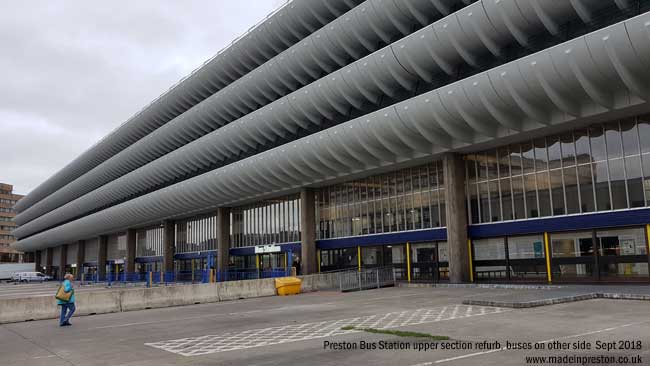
column 292, row 330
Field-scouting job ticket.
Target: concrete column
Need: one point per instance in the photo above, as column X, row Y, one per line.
column 37, row 261
column 102, row 256
column 223, row 238
column 81, row 257
column 130, row 251
column 49, row 255
column 308, row 260
column 456, row 215
column 169, row 246
column 63, row 260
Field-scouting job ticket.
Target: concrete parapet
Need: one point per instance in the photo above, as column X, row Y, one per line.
column 97, row 302
column 30, row 308
column 233, row 290
column 116, row 300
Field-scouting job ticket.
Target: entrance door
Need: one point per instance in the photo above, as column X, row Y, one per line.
column 429, row 262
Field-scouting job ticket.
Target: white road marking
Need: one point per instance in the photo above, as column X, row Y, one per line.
column 545, row 341
column 48, row 356
column 230, row 341
column 365, row 301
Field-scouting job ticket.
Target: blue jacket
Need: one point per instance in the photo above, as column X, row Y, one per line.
column 67, row 287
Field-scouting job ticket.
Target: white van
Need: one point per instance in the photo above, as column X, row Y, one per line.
column 30, row 277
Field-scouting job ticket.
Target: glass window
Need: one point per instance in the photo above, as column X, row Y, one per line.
column 618, row 187
column 526, row 247
column 473, row 197
column 583, row 150
column 489, row 249
column 572, row 245
column 597, row 141
column 495, row 203
column 621, row 242
column 530, row 188
column 630, row 137
column 568, row 150
column 491, row 163
column 602, row 186
column 397, row 201
column 544, row 194
column 515, row 160
column 518, row 196
column 613, row 140
column 527, row 158
column 554, row 152
column 506, row 199
column 570, row 179
column 586, row 188
column 526, row 254
column 644, row 133
column 557, row 191
column 504, row 162
column 634, row 181
column 485, row 202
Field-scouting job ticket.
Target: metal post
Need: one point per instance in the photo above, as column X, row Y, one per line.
column 359, row 257
column 359, row 278
column 408, row 261
column 547, row 253
column 378, row 278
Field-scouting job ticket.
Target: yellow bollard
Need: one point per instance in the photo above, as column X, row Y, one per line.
column 359, row 258
column 547, row 254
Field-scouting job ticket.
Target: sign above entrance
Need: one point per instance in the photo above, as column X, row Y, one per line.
column 271, row 248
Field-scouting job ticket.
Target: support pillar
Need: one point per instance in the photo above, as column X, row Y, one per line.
column 81, row 257
column 63, row 260
column 169, row 246
column 37, row 261
column 102, row 257
column 456, row 216
column 49, row 255
column 129, row 266
column 223, row 238
column 308, row 260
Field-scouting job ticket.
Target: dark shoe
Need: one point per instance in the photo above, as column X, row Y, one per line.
column 66, row 324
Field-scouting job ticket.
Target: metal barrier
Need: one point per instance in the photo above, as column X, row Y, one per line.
column 368, row 278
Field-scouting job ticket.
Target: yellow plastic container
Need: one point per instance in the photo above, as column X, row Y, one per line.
column 288, row 285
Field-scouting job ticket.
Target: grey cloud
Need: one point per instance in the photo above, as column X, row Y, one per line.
column 71, row 71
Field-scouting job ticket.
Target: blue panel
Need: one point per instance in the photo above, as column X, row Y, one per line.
column 563, row 223
column 383, row 239
column 194, row 255
column 149, row 259
column 286, row 247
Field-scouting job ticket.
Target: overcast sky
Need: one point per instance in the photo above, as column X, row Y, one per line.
column 72, row 71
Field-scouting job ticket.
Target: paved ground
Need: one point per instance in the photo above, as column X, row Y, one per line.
column 294, row 331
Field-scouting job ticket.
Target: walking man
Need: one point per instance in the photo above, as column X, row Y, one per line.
column 65, row 298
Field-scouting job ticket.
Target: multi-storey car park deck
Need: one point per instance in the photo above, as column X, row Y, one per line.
column 457, row 141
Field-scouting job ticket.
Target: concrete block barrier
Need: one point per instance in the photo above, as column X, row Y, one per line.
column 129, row 299
column 133, row 299
column 31, row 308
column 233, row 290
column 98, row 302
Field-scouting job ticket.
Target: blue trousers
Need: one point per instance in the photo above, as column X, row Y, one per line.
column 66, row 312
